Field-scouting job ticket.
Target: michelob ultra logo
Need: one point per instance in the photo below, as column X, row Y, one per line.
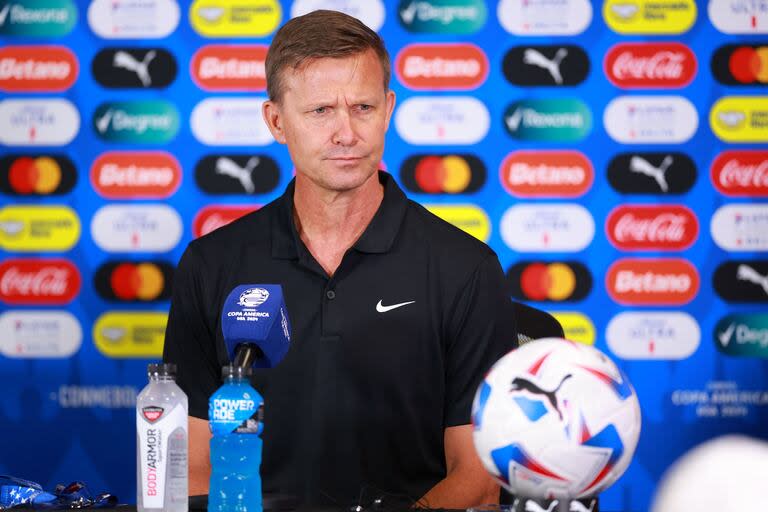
column 443, row 174
column 650, row 16
column 213, row 217
column 546, row 65
column 739, row 16
column 743, row 335
column 39, row 334
column 135, row 175
column 741, row 227
column 741, row 173
column 38, row 122
column 235, row 18
column 130, row 334
column 742, row 281
column 544, row 17
column 556, row 227
column 457, row 66
column 34, row 281
column 37, row 68
column 576, row 326
column 136, row 228
column 442, row 120
column 740, row 64
column 134, row 281
column 670, row 335
column 134, row 68
column 650, row 65
column 652, row 173
column 229, row 67
column 151, row 121
column 442, row 16
column 640, row 227
column 546, row 174
column 651, row 119
column 467, row 217
column 36, row 175
column 740, row 119
column 370, row 12
column 131, row 19
column 561, row 120
column 41, row 18
column 652, row 282
column 38, row 228
column 549, row 281
column 230, row 122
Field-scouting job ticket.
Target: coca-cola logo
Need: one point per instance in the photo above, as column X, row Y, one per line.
column 652, row 282
column 652, row 228
column 38, row 281
column 546, row 174
column 741, row 173
column 213, row 217
column 650, row 65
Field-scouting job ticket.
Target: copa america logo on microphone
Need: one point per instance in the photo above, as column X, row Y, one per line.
column 253, row 297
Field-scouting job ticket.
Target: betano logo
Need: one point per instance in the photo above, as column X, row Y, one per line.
column 130, row 19
column 741, row 173
column 741, row 227
column 136, row 228
column 230, row 122
column 135, row 175
column 650, row 65
column 744, row 335
column 42, row 18
column 543, row 173
column 229, row 67
column 38, row 122
column 652, row 173
column 370, row 12
column 150, row 121
column 576, row 326
column 546, row 65
column 652, row 281
column 549, row 281
column 650, row 119
column 237, row 174
column 441, row 66
column 134, row 68
column 740, row 119
column 35, row 281
column 653, row 335
column 212, row 217
column 134, row 281
column 739, row 16
column 742, row 281
column 649, row 17
column 544, row 17
column 467, row 217
column 39, row 334
column 444, row 120
column 136, row 334
column 40, row 68
column 36, row 175
column 560, row 120
column 555, row 227
column 638, row 227
column 235, row 18
column 442, row 16
column 443, row 174
column 38, row 228
column 739, row 64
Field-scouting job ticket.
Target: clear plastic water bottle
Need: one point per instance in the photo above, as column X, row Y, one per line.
column 162, row 471
column 234, row 415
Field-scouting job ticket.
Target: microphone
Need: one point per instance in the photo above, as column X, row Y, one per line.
column 255, row 324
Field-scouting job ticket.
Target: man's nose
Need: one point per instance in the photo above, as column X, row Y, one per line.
column 344, row 134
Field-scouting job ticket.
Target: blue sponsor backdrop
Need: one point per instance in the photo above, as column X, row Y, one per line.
column 67, row 418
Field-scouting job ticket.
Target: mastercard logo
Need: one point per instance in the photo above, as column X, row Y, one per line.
column 740, row 64
column 129, row 281
column 443, row 174
column 213, row 217
column 549, row 281
column 31, row 175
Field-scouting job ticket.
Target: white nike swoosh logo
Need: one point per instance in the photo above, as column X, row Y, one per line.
column 383, row 309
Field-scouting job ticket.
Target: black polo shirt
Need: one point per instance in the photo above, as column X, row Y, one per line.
column 362, row 399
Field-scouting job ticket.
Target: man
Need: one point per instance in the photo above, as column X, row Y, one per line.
column 396, row 314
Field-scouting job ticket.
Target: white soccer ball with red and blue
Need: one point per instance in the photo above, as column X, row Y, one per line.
column 556, row 419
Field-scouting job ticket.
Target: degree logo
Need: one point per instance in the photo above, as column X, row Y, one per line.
column 43, row 18
column 549, row 281
column 38, row 122
column 544, row 17
column 467, row 217
column 230, row 122
column 38, row 228
column 560, row 120
column 741, row 227
column 650, row 16
column 37, row 68
column 237, row 174
column 135, row 175
column 556, row 227
column 36, row 175
column 225, row 67
column 444, row 120
column 134, row 68
column 740, row 119
column 652, row 282
column 137, row 334
column 739, row 17
column 441, row 66
column 650, row 65
column 136, row 228
column 39, row 334
column 742, row 281
column 744, row 335
column 134, row 281
column 370, row 12
column 546, row 65
column 129, row 19
column 653, row 335
column 741, row 173
column 151, row 121
column 636, row 227
column 33, row 281
column 656, row 173
column 651, row 119
column 442, row 16
column 443, row 174
column 235, row 18
column 546, row 174
column 576, row 326
column 213, row 217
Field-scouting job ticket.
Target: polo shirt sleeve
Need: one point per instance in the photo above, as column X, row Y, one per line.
column 481, row 330
column 189, row 337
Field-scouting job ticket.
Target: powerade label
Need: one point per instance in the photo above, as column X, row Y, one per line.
column 162, row 438
column 235, row 408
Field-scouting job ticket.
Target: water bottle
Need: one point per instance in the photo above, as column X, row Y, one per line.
column 161, row 424
column 234, row 416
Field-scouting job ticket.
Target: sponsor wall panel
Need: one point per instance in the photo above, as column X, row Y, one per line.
column 613, row 154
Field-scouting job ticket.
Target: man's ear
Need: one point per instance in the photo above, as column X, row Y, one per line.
column 274, row 119
column 390, row 106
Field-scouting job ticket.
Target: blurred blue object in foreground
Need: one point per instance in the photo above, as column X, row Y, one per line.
column 19, row 493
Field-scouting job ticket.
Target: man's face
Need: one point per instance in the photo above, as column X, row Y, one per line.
column 333, row 116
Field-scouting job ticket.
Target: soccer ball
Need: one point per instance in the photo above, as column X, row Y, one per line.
column 555, row 419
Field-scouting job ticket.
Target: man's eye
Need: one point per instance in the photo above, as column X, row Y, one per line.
column 320, row 110
column 365, row 107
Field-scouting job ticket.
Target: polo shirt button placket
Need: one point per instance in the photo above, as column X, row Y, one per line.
column 330, row 294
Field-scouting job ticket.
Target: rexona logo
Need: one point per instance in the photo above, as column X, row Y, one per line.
column 638, row 227
column 237, row 174
column 456, row 66
column 230, row 122
column 743, row 335
column 211, row 218
column 151, row 121
column 560, row 120
column 134, row 281
column 740, row 119
column 742, row 281
column 37, row 68
column 653, row 335
column 38, row 228
column 576, row 326
column 36, row 175
column 130, row 334
column 547, row 227
column 370, row 12
column 135, row 175
column 136, row 228
column 741, row 227
column 652, row 173
column 442, row 16
column 549, row 281
column 443, row 174
column 546, row 65
column 741, row 173
column 43, row 18
column 229, row 67
column 133, row 19
column 39, row 334
column 467, row 217
column 50, row 282
column 546, row 174
column 739, row 16
column 134, row 68
column 545, row 17
column 650, row 65
column 38, row 122
column 652, row 282
column 651, row 119
column 442, row 120
column 235, row 18
column 738, row 64
column 650, row 16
